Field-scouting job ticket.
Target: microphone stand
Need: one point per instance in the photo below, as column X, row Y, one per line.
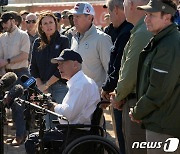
column 41, row 132
column 42, row 112
column 2, row 114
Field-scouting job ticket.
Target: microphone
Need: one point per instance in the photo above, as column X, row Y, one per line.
column 30, row 83
column 7, row 81
column 15, row 92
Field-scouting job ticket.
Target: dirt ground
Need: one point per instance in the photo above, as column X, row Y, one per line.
column 9, row 133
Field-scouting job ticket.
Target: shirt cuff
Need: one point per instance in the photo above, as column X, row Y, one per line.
column 118, row 97
column 58, row 109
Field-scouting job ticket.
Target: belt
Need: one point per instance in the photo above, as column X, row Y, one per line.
column 131, row 96
column 16, row 70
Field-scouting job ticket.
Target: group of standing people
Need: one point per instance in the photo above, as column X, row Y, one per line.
column 140, row 91
column 134, row 64
column 16, row 56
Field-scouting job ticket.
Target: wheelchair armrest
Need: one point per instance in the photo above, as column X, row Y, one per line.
column 81, row 126
column 103, row 102
column 95, row 121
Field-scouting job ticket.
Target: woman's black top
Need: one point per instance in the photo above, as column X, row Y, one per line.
column 41, row 66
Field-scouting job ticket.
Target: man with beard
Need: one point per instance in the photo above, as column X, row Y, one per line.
column 14, row 51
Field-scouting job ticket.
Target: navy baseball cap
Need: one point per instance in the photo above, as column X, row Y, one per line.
column 6, row 16
column 57, row 15
column 67, row 54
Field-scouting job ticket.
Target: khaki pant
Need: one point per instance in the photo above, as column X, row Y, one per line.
column 157, row 137
column 131, row 130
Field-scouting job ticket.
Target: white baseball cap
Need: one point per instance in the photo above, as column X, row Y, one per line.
column 83, row 8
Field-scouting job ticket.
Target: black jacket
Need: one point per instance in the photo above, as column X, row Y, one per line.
column 41, row 66
column 122, row 34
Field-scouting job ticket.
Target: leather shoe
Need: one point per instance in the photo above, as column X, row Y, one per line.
column 18, row 141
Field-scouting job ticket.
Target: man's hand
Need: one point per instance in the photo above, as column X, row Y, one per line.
column 132, row 118
column 115, row 104
column 43, row 88
column 105, row 95
column 3, row 62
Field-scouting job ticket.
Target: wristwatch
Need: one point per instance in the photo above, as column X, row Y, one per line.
column 9, row 60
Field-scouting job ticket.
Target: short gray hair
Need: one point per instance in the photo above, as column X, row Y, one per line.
column 32, row 14
column 112, row 3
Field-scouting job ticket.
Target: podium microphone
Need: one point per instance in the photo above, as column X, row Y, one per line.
column 7, row 81
column 15, row 92
column 30, row 82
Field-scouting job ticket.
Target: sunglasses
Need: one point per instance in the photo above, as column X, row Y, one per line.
column 30, row 21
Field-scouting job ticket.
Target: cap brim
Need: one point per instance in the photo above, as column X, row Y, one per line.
column 4, row 20
column 147, row 8
column 56, row 60
column 144, row 7
column 105, row 6
column 74, row 12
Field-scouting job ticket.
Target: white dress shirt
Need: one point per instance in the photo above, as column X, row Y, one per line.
column 80, row 102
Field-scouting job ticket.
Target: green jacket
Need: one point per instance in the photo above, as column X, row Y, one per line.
column 127, row 75
column 158, row 83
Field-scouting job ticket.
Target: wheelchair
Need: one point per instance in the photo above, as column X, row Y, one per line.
column 92, row 142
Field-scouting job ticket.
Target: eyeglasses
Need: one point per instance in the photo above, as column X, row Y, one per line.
column 30, row 21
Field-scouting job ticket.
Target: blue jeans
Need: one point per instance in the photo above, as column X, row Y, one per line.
column 118, row 121
column 18, row 110
column 58, row 91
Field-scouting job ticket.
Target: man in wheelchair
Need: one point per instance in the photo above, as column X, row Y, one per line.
column 78, row 105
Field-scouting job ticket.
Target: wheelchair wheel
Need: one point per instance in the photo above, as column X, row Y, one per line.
column 91, row 144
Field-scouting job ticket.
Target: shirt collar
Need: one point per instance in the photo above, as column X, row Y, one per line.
column 87, row 33
column 154, row 40
column 164, row 32
column 140, row 22
column 14, row 31
column 74, row 78
column 118, row 29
